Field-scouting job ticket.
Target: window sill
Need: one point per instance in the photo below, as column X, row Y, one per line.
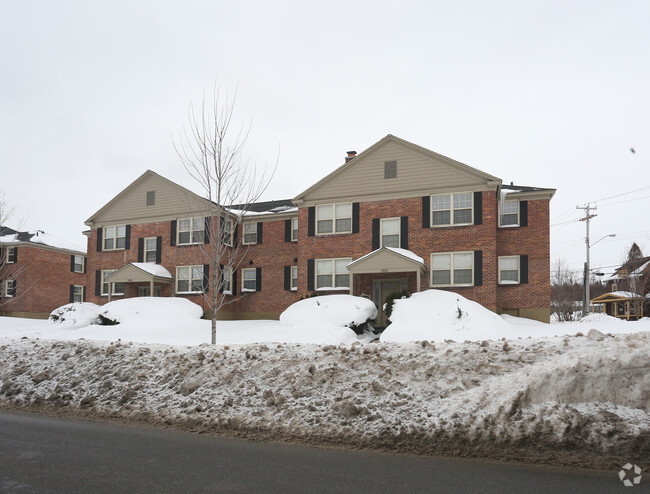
column 227, row 292
column 508, row 226
column 333, row 289
column 453, row 226
column 112, row 295
column 190, row 244
column 189, row 293
column 113, row 250
column 451, row 286
column 248, row 290
column 508, row 283
column 293, row 289
column 333, row 234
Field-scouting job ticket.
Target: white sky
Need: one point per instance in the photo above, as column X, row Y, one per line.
column 542, row 93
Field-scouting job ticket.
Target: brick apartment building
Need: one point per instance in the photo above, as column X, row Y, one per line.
column 38, row 273
column 395, row 217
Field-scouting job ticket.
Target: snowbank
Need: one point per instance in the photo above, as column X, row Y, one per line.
column 329, row 310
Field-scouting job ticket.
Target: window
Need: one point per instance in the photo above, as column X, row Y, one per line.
column 250, row 233
column 332, row 273
column 10, row 288
column 509, row 270
column 509, row 213
column 11, row 255
column 390, row 230
column 249, row 279
column 189, row 279
column 118, row 288
column 334, row 218
column 227, row 232
column 150, row 246
column 390, row 169
column 226, row 280
column 114, row 237
column 78, row 266
column 294, row 277
column 151, row 198
column 191, row 230
column 77, row 293
column 452, row 269
column 294, row 229
column 451, row 209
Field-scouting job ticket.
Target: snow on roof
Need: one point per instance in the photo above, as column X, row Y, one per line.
column 626, row 294
column 154, row 269
column 40, row 237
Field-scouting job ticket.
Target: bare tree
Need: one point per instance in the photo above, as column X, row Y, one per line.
column 565, row 292
column 210, row 149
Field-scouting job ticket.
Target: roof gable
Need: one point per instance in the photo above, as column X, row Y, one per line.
column 419, row 171
column 170, row 201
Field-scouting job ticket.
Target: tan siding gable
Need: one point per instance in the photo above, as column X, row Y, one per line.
column 417, row 169
column 171, row 201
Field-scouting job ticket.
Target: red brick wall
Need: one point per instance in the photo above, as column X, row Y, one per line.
column 43, row 280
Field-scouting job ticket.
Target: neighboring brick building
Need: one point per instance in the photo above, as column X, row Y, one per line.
column 397, row 216
column 38, row 274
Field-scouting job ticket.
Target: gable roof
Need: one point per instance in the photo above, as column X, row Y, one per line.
column 13, row 238
column 422, row 170
column 121, row 209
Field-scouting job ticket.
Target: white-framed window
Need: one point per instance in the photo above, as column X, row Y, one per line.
column 118, row 288
column 189, row 279
column 334, row 218
column 249, row 279
column 114, row 237
column 11, row 255
column 250, row 233
column 390, row 232
column 452, row 269
column 191, row 231
column 332, row 274
column 150, row 246
column 10, row 288
column 509, row 270
column 614, row 287
column 294, row 277
column 79, row 262
column 452, row 209
column 509, row 213
column 227, row 232
column 77, row 293
column 294, row 229
column 226, row 279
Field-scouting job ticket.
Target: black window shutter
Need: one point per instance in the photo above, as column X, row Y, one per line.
column 98, row 283
column 127, row 240
column 83, row 293
column 523, row 213
column 71, row 293
column 310, row 275
column 206, row 230
column 141, row 250
column 355, row 217
column 287, row 230
column 72, row 263
column 258, row 279
column 233, row 287
column 375, row 233
column 85, row 261
column 1, row 258
column 221, row 278
column 206, row 278
column 311, row 221
column 404, row 232
column 235, row 237
column 172, row 236
column 15, row 256
column 260, row 231
column 478, row 208
column 158, row 250
column 426, row 211
column 287, row 277
column 12, row 291
column 100, row 235
column 523, row 269
column 478, row 268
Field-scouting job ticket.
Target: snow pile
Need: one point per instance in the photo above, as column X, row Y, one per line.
column 439, row 315
column 330, row 310
column 76, row 315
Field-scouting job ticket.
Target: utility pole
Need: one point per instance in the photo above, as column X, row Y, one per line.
column 585, row 290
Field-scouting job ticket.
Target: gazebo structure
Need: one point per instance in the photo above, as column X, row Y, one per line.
column 622, row 305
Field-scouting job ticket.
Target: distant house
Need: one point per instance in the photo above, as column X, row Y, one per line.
column 38, row 273
column 395, row 217
column 629, row 290
column 622, row 305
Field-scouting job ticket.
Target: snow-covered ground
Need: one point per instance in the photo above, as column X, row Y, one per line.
column 504, row 387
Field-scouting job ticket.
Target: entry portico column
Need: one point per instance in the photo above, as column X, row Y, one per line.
column 151, row 288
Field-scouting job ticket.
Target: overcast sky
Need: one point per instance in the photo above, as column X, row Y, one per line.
column 542, row 93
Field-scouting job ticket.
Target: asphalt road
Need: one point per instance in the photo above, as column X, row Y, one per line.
column 46, row 454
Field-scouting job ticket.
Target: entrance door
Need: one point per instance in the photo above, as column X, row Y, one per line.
column 380, row 290
column 145, row 291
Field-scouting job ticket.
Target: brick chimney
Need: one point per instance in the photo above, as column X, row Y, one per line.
column 351, row 155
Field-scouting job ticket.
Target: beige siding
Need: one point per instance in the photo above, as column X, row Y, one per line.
column 385, row 262
column 415, row 171
column 171, row 202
